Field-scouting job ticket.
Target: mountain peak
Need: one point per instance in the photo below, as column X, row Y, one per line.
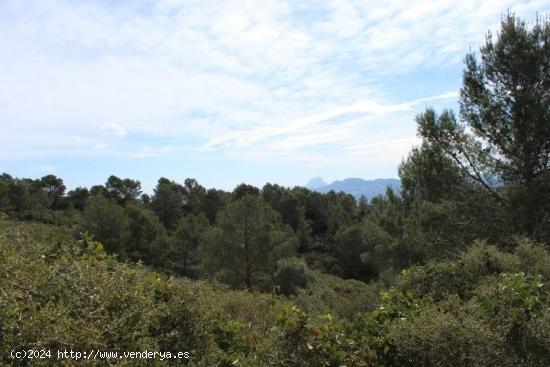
column 315, row 183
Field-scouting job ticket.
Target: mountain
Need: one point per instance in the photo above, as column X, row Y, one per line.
column 315, row 183
column 356, row 186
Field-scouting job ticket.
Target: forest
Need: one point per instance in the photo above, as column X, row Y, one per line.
column 452, row 270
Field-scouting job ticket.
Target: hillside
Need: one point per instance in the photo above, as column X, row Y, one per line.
column 449, row 268
column 58, row 294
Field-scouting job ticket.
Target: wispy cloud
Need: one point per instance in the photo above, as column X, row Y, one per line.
column 309, row 135
column 383, row 150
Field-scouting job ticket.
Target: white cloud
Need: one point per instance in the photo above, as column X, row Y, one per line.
column 367, row 108
column 244, row 77
column 382, row 151
column 302, row 140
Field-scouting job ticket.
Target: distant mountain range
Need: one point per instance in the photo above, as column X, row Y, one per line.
column 355, row 186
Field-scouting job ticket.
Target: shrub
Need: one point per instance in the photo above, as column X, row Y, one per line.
column 291, row 274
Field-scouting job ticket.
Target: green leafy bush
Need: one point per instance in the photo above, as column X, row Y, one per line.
column 291, row 274
column 487, row 307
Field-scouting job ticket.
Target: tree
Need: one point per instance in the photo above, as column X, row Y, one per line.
column 98, row 191
column 316, row 209
column 337, row 217
column 502, row 140
column 193, row 196
column 107, row 221
column 428, row 174
column 18, row 195
column 444, row 208
column 290, row 208
column 349, row 247
column 190, row 233
column 123, row 190
column 6, row 183
column 214, row 202
column 145, row 200
column 167, row 202
column 244, row 189
column 145, row 238
column 247, row 244
column 53, row 185
column 362, row 207
column 78, row 197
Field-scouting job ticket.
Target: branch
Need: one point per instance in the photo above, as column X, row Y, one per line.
column 476, row 176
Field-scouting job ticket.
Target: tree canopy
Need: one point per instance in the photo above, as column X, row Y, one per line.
column 501, row 140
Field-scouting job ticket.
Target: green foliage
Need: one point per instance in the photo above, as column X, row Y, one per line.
column 78, row 197
column 503, row 132
column 300, row 343
column 55, row 189
column 428, row 174
column 167, row 202
column 358, row 248
column 291, row 274
column 292, row 211
column 193, row 196
column 456, row 337
column 26, row 195
column 122, row 190
column 484, row 307
column 214, row 202
column 459, row 277
column 145, row 238
column 243, row 251
column 132, row 232
column 189, row 235
column 244, row 189
column 470, row 311
column 343, row 298
column 107, row 221
column 443, row 208
column 60, row 294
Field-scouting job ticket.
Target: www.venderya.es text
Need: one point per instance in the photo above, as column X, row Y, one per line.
column 95, row 354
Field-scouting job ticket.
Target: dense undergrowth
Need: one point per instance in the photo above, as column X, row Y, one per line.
column 484, row 308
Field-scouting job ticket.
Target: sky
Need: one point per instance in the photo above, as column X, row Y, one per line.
column 229, row 91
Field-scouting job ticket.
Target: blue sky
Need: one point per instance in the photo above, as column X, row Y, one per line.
column 228, row 91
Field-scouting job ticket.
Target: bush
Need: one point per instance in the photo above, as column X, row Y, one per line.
column 436, row 337
column 485, row 308
column 291, row 274
column 60, row 294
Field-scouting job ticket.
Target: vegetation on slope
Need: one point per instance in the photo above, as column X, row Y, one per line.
column 485, row 308
column 278, row 276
